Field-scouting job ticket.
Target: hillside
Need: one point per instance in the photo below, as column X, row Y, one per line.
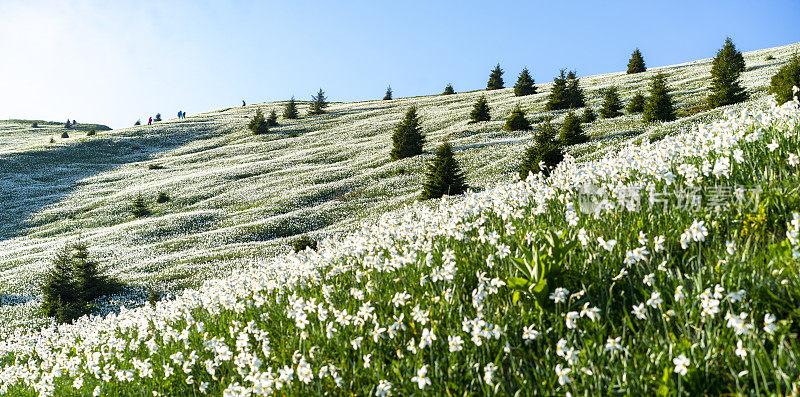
column 237, row 199
column 656, row 260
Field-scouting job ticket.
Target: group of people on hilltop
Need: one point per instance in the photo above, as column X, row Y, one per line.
column 181, row 114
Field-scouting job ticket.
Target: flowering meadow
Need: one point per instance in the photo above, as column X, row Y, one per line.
column 659, row 262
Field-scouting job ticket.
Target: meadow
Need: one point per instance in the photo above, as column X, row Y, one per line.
column 657, row 259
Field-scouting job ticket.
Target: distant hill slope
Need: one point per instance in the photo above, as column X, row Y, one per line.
column 237, row 198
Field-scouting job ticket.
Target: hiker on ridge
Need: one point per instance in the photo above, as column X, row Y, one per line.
column 150, row 121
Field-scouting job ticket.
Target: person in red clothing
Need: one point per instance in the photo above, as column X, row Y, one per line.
column 150, row 121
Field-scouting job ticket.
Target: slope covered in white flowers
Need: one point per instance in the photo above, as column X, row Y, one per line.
column 662, row 266
column 543, row 286
column 237, row 199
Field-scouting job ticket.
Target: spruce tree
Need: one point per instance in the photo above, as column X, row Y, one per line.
column 571, row 131
column 318, row 103
column 140, row 207
column 611, row 104
column 636, row 105
column 524, row 84
column 272, row 120
column 636, row 63
column 60, row 292
column 545, row 150
column 558, row 94
column 659, row 104
column 575, row 97
column 407, row 138
column 725, row 71
column 517, row 121
column 388, row 96
column 444, row 176
column 290, row 110
column 448, row 90
column 588, row 115
column 495, row 79
column 480, row 112
column 783, row 82
column 90, row 283
column 258, row 124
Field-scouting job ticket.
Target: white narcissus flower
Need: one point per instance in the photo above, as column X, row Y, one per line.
column 769, row 324
column 681, row 364
column 421, row 379
column 639, row 311
column 740, row 350
column 563, row 375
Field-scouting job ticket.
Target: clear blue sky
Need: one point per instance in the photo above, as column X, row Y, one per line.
column 114, row 62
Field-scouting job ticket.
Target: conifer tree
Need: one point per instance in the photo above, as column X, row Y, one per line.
column 318, row 103
column 444, row 176
column 89, row 281
column 517, row 120
column 258, row 124
column 60, row 292
column 545, row 151
column 388, row 96
column 558, row 94
column 575, row 97
column 480, row 112
column 407, row 138
column 524, row 84
column 495, row 79
column 636, row 63
column 448, row 90
column 571, row 131
column 272, row 120
column 140, row 207
column 783, row 82
column 636, row 105
column 659, row 104
column 588, row 115
column 725, row 71
column 611, row 104
column 290, row 110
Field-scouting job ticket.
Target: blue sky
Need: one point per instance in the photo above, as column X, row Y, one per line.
column 114, row 62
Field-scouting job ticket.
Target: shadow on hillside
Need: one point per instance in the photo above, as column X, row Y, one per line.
column 32, row 180
column 9, row 300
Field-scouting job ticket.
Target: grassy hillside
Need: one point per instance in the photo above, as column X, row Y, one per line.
column 237, row 199
column 661, row 268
